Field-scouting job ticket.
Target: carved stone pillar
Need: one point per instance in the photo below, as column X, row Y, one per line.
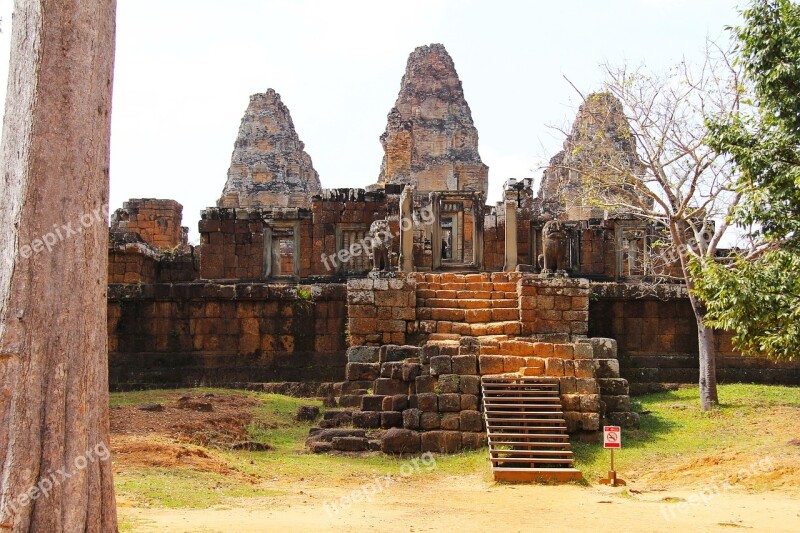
column 511, row 237
column 406, row 263
column 436, row 232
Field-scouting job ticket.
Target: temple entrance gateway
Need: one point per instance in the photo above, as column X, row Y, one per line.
column 456, row 233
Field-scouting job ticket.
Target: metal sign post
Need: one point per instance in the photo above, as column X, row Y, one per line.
column 612, row 439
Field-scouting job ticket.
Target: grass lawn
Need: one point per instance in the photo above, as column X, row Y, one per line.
column 675, row 438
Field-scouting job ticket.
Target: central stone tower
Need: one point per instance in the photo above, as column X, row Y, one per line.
column 430, row 140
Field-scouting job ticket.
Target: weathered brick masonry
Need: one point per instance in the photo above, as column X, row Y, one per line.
column 189, row 334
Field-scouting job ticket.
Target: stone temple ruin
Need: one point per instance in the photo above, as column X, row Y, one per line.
column 431, row 319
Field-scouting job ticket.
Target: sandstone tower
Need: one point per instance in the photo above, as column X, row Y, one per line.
column 600, row 128
column 269, row 166
column 430, row 140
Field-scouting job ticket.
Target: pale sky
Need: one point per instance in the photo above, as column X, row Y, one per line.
column 185, row 70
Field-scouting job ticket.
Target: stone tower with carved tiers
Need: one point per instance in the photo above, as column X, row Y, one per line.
column 430, row 140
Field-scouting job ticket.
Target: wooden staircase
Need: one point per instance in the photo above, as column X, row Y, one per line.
column 527, row 432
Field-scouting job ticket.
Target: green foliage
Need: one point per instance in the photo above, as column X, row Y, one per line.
column 304, row 293
column 763, row 139
column 758, row 300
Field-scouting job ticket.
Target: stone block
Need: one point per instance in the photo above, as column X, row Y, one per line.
column 372, row 402
column 367, row 419
column 361, row 371
column 613, row 386
column 426, row 352
column 468, row 346
column 606, row 368
column 473, row 440
column 590, row 403
column 441, row 441
column 411, row 371
column 554, row 367
column 449, row 403
column 590, row 421
column 350, row 444
column 571, row 402
column 350, row 400
column 584, row 368
column 465, row 364
column 615, row 404
column 470, row 385
column 490, row 364
column 512, row 363
column 450, row 421
column 471, row 421
column 392, row 370
column 583, row 351
column 412, row 418
column 441, row 364
column 392, row 352
column 399, row 402
column 469, row 402
column 449, row 383
column 428, row 402
column 363, row 354
column 425, row 384
column 430, row 420
column 396, row 441
column 563, row 351
column 568, row 385
column 586, row 386
column 387, row 404
column 391, row 419
column 604, row 348
column 390, row 387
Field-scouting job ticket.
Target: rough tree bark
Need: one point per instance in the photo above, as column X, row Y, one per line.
column 55, row 474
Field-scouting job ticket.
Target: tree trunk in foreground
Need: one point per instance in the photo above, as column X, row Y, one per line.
column 55, row 473
column 708, row 359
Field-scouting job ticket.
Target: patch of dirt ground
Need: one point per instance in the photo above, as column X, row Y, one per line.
column 469, row 503
column 164, row 438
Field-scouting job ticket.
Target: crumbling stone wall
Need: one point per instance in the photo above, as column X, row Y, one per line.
column 381, row 309
column 339, row 211
column 157, row 222
column 188, row 334
column 657, row 336
column 232, row 241
column 132, row 263
column 554, row 305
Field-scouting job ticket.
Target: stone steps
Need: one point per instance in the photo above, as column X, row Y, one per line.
column 511, row 327
column 468, row 303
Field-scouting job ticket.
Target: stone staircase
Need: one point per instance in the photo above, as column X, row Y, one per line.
column 469, row 304
column 527, row 432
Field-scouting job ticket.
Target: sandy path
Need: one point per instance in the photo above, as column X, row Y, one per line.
column 471, row 504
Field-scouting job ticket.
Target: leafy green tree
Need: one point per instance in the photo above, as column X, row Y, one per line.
column 756, row 292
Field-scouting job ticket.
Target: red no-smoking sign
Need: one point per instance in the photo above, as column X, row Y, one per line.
column 612, row 437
